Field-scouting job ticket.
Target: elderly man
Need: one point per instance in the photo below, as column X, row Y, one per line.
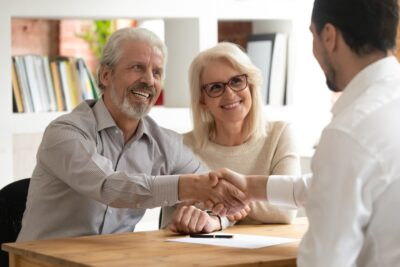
column 99, row 167
column 352, row 197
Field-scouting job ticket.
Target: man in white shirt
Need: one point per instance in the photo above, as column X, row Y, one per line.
column 352, row 197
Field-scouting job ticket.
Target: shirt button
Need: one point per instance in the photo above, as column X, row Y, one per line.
column 166, row 203
column 110, row 211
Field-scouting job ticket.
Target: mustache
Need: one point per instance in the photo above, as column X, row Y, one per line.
column 142, row 86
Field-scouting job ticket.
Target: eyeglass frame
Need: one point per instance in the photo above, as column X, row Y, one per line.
column 203, row 87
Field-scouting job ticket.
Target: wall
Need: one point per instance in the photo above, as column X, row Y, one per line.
column 41, row 36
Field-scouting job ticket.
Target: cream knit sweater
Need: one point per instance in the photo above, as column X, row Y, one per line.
column 276, row 153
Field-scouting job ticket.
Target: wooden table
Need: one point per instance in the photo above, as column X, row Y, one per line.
column 150, row 249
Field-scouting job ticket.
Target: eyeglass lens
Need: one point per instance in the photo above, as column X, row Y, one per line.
column 236, row 83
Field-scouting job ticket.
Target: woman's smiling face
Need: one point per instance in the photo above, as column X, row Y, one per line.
column 231, row 106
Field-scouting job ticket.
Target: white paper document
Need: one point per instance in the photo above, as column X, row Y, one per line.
column 238, row 241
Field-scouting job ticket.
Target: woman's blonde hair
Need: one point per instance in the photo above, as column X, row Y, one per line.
column 204, row 128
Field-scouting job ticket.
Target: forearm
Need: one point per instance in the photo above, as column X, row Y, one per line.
column 256, row 187
column 189, row 186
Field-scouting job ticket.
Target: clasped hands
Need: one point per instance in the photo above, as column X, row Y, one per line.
column 223, row 191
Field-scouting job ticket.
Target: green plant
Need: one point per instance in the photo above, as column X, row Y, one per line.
column 97, row 36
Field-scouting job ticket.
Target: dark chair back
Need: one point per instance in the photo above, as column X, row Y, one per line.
column 12, row 207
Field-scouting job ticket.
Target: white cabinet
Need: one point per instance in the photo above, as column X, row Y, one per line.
column 190, row 26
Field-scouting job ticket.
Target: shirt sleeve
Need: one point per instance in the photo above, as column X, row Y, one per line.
column 288, row 191
column 339, row 202
column 69, row 154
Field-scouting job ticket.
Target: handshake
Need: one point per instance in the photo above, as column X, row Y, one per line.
column 223, row 191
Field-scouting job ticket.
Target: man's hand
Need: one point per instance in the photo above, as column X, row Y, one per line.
column 253, row 186
column 210, row 187
column 221, row 176
column 235, row 178
column 188, row 219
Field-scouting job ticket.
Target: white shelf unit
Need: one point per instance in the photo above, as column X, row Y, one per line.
column 190, row 26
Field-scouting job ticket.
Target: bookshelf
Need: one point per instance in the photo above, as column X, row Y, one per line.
column 190, row 26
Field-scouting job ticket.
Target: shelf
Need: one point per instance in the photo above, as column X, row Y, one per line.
column 32, row 122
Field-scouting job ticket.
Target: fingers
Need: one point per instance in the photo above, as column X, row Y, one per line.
column 202, row 222
column 172, row 227
column 217, row 209
column 232, row 198
column 234, row 178
column 246, row 210
column 239, row 215
column 214, row 178
column 209, row 204
column 189, row 219
column 213, row 188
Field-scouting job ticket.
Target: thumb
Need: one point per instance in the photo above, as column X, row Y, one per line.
column 172, row 227
column 214, row 178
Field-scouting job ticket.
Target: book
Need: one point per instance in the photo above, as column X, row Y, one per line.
column 269, row 53
column 92, row 80
column 57, row 85
column 73, row 89
column 33, row 83
column 19, row 106
column 62, row 66
column 259, row 49
column 85, row 84
column 49, row 84
column 23, row 83
column 41, row 84
column 278, row 70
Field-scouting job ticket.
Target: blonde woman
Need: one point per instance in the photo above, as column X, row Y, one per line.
column 229, row 130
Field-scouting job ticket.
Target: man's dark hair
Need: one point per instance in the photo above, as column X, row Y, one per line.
column 366, row 25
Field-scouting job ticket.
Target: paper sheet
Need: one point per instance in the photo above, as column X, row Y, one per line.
column 238, row 241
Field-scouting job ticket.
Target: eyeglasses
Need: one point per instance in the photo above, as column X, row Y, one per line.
column 236, row 83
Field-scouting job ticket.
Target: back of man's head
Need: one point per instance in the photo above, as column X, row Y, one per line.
column 366, row 25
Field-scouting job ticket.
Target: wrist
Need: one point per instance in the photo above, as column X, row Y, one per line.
column 217, row 223
column 187, row 186
column 257, row 187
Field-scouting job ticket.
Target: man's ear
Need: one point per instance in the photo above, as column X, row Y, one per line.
column 329, row 37
column 105, row 75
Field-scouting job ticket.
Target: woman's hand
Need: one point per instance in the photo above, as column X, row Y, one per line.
column 239, row 215
column 189, row 219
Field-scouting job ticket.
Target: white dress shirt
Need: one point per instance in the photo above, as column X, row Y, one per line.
column 352, row 198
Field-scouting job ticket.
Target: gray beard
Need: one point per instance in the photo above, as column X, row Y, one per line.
column 126, row 108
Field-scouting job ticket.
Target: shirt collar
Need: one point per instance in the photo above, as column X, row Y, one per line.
column 105, row 120
column 103, row 116
column 376, row 71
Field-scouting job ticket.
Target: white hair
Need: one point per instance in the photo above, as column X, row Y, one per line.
column 112, row 50
column 204, row 128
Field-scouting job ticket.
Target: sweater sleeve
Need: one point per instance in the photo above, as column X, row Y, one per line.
column 284, row 161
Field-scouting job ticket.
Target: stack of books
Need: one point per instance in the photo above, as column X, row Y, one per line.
column 43, row 84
